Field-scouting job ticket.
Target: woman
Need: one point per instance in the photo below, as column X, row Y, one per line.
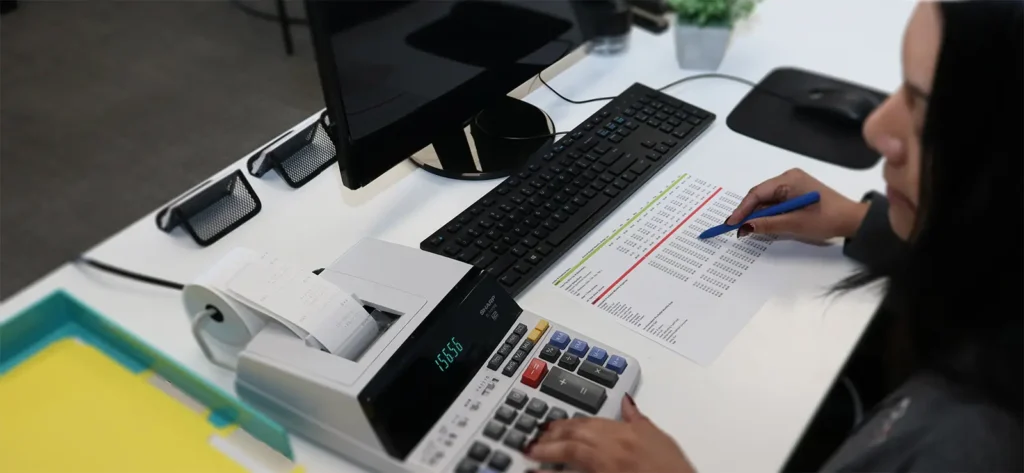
column 948, row 241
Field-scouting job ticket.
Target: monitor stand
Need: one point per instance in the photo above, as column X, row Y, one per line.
column 504, row 134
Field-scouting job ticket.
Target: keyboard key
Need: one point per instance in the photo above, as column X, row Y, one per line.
column 652, row 156
column 494, row 430
column 615, row 139
column 602, row 149
column 515, row 440
column 569, row 361
column 479, row 451
column 467, row 465
column 589, row 193
column 660, row 116
column 556, row 414
column 631, row 125
column 611, row 126
column 451, row 250
column 602, row 132
column 467, row 255
column 500, row 461
column 526, row 424
column 609, row 159
column 560, row 339
column 619, row 183
column 622, row 164
column 462, row 242
column 499, row 248
column 532, row 376
column 585, row 213
column 529, row 242
column 510, row 369
column 628, row 176
column 574, row 390
column 598, row 374
column 509, row 279
column 537, row 408
column 485, row 223
column 661, row 149
column 484, row 261
column 611, row 192
column 648, row 144
column 674, row 121
column 666, row 128
column 518, row 251
column 617, row 364
column 579, row 347
column 669, row 143
column 623, row 131
column 640, row 167
column 543, row 250
column 654, row 123
column 438, row 240
column 495, row 362
column 629, row 112
column 550, row 353
column 643, row 117
column 540, row 233
column 501, row 265
column 533, row 258
column 587, row 144
column 597, row 355
column 607, row 177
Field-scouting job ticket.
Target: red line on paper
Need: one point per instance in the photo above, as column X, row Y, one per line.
column 666, row 237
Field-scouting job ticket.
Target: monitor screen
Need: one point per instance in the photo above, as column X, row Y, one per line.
column 398, row 73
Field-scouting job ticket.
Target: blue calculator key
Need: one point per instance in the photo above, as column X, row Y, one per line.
column 578, row 347
column 617, row 364
column 597, row 356
column 559, row 339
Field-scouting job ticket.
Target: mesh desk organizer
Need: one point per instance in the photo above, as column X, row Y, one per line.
column 212, row 209
column 79, row 393
column 297, row 156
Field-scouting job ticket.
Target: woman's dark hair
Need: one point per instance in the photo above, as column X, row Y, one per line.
column 960, row 287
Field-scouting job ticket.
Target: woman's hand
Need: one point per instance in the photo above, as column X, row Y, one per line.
column 833, row 216
column 601, row 445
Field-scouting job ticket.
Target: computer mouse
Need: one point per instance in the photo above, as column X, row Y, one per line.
column 848, row 107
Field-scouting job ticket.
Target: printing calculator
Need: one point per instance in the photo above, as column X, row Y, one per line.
column 457, row 380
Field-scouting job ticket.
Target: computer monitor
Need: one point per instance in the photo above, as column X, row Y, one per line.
column 399, row 75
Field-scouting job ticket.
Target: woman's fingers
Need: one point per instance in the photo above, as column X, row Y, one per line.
column 630, row 413
column 771, row 191
column 585, row 430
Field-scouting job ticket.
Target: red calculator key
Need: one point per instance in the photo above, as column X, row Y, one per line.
column 535, row 372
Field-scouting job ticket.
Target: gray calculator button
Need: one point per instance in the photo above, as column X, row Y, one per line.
column 467, row 465
column 500, row 461
column 557, row 414
column 579, row 415
column 505, row 350
column 516, row 399
column 520, row 330
column 526, row 423
column 526, row 346
column 565, row 386
column 505, row 415
column 537, row 408
column 494, row 430
column 510, row 368
column 598, row 374
column 479, row 451
column 515, row 440
column 519, row 356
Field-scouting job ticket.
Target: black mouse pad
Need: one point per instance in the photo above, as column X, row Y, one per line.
column 768, row 114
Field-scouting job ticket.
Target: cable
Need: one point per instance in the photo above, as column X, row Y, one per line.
column 577, row 102
column 130, row 275
column 715, row 75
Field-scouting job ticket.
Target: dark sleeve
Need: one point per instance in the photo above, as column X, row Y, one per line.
column 976, row 439
column 875, row 243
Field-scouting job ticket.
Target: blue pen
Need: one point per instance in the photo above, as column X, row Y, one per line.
column 790, row 205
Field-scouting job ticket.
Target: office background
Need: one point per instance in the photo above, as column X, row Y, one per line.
column 108, row 109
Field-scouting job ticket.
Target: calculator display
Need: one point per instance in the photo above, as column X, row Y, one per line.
column 438, row 360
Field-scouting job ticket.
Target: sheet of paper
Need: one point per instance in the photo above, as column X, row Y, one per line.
column 653, row 275
column 302, row 299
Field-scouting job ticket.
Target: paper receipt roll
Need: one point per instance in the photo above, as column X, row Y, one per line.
column 240, row 323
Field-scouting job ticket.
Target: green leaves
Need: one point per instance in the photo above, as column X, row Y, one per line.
column 712, row 12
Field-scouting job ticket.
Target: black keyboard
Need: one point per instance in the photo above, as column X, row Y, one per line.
column 521, row 227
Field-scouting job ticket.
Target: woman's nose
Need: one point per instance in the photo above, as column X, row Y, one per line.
column 882, row 130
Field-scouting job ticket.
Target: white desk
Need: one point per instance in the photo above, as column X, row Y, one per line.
column 743, row 413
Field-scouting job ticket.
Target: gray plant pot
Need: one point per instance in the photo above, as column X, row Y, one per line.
column 701, row 48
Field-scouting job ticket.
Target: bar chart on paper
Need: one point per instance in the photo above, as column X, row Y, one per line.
column 654, row 275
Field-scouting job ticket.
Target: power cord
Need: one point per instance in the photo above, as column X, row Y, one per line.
column 577, row 102
column 124, row 273
column 708, row 75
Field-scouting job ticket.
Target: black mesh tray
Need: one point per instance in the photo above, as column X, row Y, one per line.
column 297, row 157
column 212, row 209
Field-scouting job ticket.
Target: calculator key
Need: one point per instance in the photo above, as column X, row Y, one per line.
column 479, row 451
column 569, row 361
column 526, row 423
column 534, row 372
column 505, row 414
column 467, row 465
column 597, row 355
column 534, row 335
column 495, row 362
column 542, row 325
column 536, row 408
column 578, row 347
column 550, row 353
column 494, row 430
column 500, row 461
column 510, row 369
column 505, row 349
column 598, row 374
column 513, row 339
column 516, row 399
column 519, row 356
column 574, row 390
column 515, row 440
column 560, row 339
column 579, row 415
column 556, row 414
column 617, row 364
column 520, row 330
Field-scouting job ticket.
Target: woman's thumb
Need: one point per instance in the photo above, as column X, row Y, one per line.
column 630, row 413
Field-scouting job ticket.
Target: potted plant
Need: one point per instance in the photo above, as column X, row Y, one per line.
column 703, row 28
